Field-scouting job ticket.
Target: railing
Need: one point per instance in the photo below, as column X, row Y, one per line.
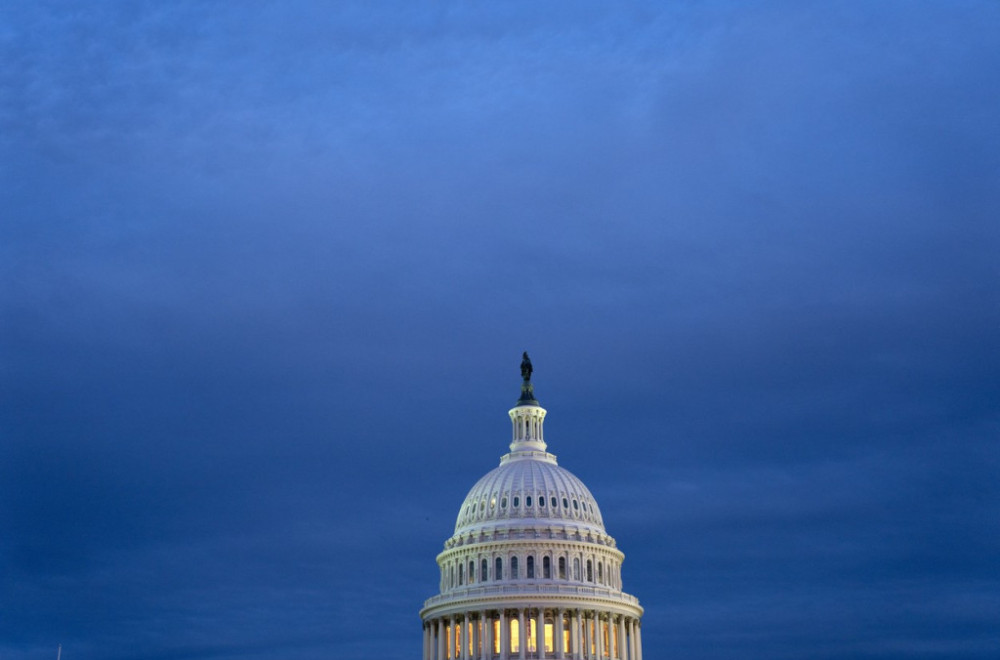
column 529, row 589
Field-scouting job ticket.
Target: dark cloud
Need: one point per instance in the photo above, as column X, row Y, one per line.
column 267, row 270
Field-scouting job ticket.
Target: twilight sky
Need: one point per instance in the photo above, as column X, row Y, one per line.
column 267, row 270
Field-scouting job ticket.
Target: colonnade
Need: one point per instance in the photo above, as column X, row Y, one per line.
column 532, row 632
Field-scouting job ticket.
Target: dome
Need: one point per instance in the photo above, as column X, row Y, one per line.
column 528, row 490
column 530, row 571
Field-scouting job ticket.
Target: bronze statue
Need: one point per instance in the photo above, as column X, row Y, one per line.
column 526, row 367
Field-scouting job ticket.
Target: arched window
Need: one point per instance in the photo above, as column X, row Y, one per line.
column 531, row 567
column 472, row 572
column 517, row 501
column 513, row 568
column 527, row 501
column 600, row 572
column 565, row 503
column 546, row 568
column 451, row 575
column 552, row 501
column 498, row 569
column 576, row 568
column 461, row 572
column 562, row 568
column 483, row 567
column 590, row 571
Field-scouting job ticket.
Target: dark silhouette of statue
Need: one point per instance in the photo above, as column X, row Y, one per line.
column 526, row 367
column 527, row 389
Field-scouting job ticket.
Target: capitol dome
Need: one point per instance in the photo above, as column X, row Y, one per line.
column 530, row 488
column 530, row 571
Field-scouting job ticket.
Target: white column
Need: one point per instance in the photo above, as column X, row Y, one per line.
column 441, row 641
column 504, row 635
column 466, row 624
column 578, row 634
column 621, row 638
column 631, row 640
column 483, row 635
column 521, row 637
column 599, row 631
column 638, row 641
column 540, row 633
column 559, row 647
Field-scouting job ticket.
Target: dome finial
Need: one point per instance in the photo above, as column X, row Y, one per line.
column 527, row 389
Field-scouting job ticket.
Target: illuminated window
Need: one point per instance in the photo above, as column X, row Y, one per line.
column 531, row 566
column 546, row 568
column 549, row 648
column 566, row 638
column 604, row 644
column 590, row 571
column 593, row 638
column 498, row 569
column 531, row 636
column 614, row 634
column 513, row 568
column 562, row 568
column 515, row 636
column 496, row 636
column 482, row 570
column 493, row 502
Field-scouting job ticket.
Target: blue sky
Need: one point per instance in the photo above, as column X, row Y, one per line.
column 268, row 269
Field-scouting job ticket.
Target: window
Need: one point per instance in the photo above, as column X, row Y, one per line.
column 552, row 501
column 546, row 568
column 527, row 501
column 482, row 570
column 517, row 501
column 576, row 568
column 531, row 566
column 472, row 572
column 503, row 502
column 576, row 505
column 590, row 571
column 513, row 568
column 493, row 502
column 461, row 573
column 498, row 570
column 562, row 568
column 451, row 576
column 565, row 503
column 600, row 572
column 541, row 501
